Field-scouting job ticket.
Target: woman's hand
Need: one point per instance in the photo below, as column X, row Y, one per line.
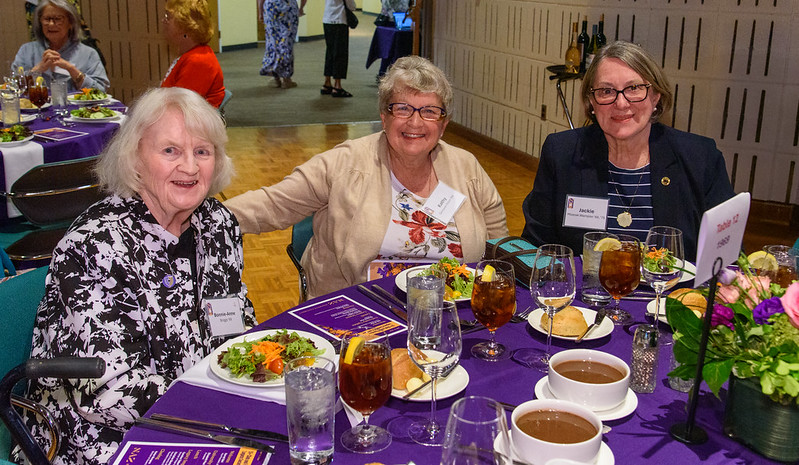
column 50, row 59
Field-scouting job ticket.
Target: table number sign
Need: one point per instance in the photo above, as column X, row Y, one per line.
column 721, row 234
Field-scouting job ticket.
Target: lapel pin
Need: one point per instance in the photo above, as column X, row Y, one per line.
column 665, row 180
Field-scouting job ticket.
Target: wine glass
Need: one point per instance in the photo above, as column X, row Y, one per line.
column 364, row 381
column 620, row 273
column 38, row 94
column 663, row 261
column 477, row 433
column 552, row 285
column 434, row 344
column 493, row 304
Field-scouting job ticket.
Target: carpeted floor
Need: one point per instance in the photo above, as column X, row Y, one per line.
column 256, row 102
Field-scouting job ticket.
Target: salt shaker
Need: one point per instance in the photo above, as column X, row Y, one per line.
column 644, row 367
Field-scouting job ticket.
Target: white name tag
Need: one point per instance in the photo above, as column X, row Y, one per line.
column 225, row 316
column 443, row 203
column 586, row 212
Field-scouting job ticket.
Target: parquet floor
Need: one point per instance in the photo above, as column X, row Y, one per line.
column 263, row 156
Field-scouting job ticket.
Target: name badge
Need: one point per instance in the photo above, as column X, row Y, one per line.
column 586, row 212
column 443, row 203
column 225, row 316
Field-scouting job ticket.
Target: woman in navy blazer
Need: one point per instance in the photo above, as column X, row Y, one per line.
column 624, row 93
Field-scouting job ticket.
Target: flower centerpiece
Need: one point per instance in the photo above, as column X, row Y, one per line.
column 754, row 339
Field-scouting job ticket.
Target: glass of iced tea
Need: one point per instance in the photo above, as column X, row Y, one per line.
column 493, row 304
column 787, row 260
column 620, row 273
column 38, row 94
column 364, row 381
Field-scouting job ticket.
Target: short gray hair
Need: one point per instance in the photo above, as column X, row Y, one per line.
column 417, row 74
column 75, row 32
column 640, row 61
column 116, row 166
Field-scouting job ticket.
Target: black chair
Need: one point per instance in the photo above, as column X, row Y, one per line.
column 50, row 197
column 301, row 234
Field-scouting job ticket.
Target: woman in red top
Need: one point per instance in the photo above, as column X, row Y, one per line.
column 187, row 26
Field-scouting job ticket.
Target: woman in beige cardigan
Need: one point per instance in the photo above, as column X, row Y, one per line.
column 380, row 197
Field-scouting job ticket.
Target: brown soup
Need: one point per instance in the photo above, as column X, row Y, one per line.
column 556, row 426
column 588, row 371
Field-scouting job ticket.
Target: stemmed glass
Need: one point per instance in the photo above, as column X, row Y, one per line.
column 477, row 433
column 663, row 261
column 620, row 273
column 434, row 345
column 493, row 304
column 552, row 285
column 38, row 94
column 364, row 381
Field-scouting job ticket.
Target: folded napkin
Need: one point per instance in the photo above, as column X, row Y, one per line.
column 201, row 375
column 17, row 161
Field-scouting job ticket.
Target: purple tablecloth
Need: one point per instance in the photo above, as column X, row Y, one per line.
column 641, row 437
column 389, row 44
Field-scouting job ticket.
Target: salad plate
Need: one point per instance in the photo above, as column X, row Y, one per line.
column 25, row 106
column 452, row 385
column 687, row 266
column 15, row 142
column 94, row 120
column 224, row 373
column 73, row 99
column 401, row 280
column 652, row 306
column 604, row 328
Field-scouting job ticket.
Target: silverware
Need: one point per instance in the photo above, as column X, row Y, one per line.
column 389, row 296
column 521, row 317
column 253, row 433
column 640, row 295
column 399, row 312
column 427, row 383
column 600, row 315
column 507, row 406
column 233, row 441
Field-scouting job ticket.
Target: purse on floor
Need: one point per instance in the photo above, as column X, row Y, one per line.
column 517, row 251
column 352, row 20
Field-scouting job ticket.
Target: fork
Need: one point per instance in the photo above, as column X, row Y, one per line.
column 521, row 316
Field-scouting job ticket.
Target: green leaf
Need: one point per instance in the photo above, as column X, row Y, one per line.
column 715, row 373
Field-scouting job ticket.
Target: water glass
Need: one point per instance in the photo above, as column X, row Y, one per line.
column 477, row 433
column 9, row 102
column 58, row 94
column 310, row 409
column 592, row 291
column 425, row 292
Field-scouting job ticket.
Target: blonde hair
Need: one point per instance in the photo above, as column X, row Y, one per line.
column 193, row 17
column 417, row 74
column 116, row 166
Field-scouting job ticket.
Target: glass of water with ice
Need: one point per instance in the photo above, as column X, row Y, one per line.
column 310, row 409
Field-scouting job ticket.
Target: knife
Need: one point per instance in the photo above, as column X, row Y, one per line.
column 233, row 441
column 427, row 383
column 600, row 315
column 253, row 433
column 389, row 296
column 394, row 309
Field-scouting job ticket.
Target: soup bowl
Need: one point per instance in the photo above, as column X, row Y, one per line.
column 591, row 378
column 580, row 424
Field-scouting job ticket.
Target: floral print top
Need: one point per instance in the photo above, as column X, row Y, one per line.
column 121, row 287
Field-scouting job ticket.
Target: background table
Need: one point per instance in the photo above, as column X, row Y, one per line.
column 642, row 437
column 388, row 44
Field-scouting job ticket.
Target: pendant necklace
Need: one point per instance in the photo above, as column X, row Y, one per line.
column 625, row 219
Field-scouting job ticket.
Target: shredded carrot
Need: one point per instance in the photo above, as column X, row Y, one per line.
column 270, row 350
column 86, row 90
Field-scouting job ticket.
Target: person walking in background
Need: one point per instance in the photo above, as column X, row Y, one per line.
column 281, row 19
column 337, row 40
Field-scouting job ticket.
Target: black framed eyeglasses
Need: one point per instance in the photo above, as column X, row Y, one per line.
column 57, row 20
column 634, row 93
column 427, row 113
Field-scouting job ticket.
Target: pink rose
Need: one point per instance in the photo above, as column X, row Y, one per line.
column 790, row 302
column 728, row 294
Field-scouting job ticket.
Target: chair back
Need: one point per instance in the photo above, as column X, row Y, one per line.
column 19, row 302
column 301, row 234
column 225, row 100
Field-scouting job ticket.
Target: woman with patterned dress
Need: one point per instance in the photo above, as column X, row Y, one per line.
column 368, row 196
column 280, row 19
column 131, row 280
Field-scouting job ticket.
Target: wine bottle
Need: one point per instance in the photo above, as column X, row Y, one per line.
column 592, row 47
column 583, row 41
column 573, row 53
column 600, row 35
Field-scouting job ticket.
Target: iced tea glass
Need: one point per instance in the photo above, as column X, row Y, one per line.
column 493, row 304
column 620, row 273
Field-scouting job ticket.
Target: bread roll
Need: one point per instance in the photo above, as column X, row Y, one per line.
column 402, row 368
column 691, row 298
column 567, row 322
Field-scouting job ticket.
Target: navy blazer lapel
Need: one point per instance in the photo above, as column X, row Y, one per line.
column 592, row 158
column 665, row 174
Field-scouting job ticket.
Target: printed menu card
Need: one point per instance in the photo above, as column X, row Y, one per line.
column 160, row 453
column 341, row 315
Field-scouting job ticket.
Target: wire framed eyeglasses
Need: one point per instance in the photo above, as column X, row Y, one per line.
column 634, row 93
column 427, row 113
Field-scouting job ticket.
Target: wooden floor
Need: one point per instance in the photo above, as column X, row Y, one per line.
column 263, row 156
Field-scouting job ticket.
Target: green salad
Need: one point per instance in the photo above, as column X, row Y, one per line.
column 459, row 280
column 263, row 359
column 90, row 94
column 14, row 133
column 95, row 112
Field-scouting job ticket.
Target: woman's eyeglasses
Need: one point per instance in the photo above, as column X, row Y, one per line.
column 634, row 93
column 57, row 20
column 428, row 113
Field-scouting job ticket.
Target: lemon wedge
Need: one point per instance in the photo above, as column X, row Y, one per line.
column 607, row 243
column 763, row 260
column 488, row 273
column 39, row 80
column 355, row 346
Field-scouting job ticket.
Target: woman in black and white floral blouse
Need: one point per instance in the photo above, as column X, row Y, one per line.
column 131, row 280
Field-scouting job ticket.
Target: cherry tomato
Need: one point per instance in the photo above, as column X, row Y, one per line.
column 276, row 366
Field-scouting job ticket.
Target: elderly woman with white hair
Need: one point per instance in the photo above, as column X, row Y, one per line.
column 58, row 48
column 379, row 198
column 137, row 277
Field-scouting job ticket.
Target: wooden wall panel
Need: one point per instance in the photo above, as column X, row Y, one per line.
column 733, row 66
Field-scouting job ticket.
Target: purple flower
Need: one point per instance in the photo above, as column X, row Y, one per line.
column 727, row 276
column 722, row 315
column 766, row 308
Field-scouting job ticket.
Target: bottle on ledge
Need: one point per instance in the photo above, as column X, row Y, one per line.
column 573, row 53
column 592, row 48
column 583, row 41
column 600, row 35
